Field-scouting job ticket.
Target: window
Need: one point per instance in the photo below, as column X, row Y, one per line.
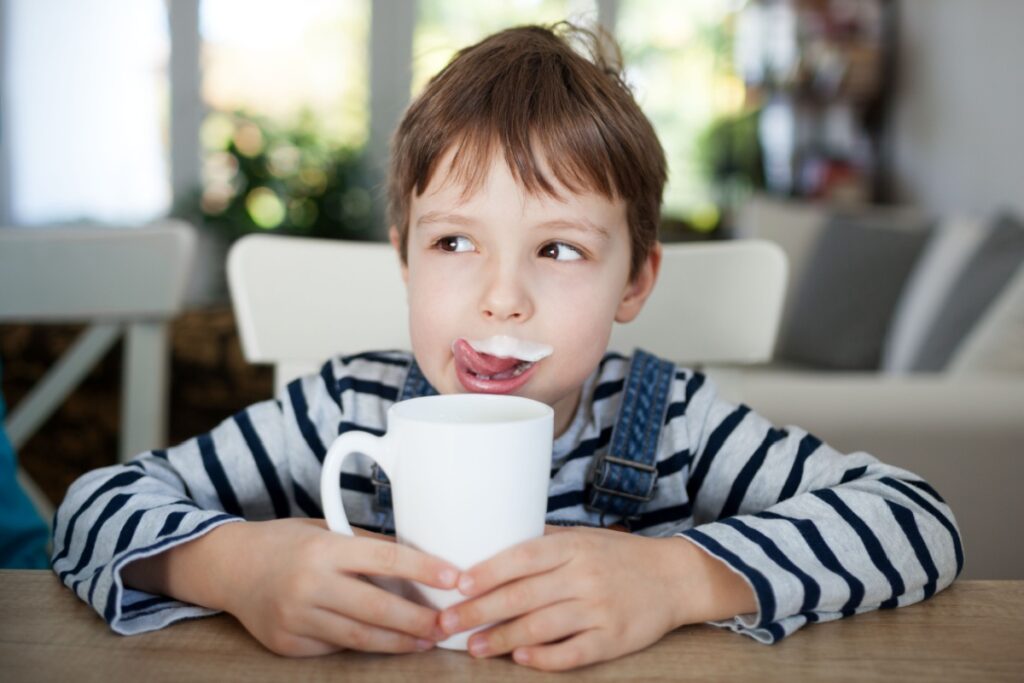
column 284, row 60
column 679, row 63
column 86, row 108
column 443, row 28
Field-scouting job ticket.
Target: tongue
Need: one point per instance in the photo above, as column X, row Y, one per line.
column 481, row 363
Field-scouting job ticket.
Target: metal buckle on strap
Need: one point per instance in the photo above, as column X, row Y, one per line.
column 643, row 467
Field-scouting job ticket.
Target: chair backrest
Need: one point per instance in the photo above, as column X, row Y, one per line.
column 299, row 300
column 84, row 272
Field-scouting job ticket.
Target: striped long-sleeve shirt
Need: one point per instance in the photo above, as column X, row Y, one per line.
column 817, row 534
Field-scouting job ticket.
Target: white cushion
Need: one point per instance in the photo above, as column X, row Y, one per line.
column 950, row 248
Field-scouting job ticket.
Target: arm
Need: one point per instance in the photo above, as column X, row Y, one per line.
column 150, row 542
column 817, row 534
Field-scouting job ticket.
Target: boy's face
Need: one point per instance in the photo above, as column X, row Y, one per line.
column 504, row 262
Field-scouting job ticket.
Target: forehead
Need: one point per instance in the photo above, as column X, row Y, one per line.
column 491, row 187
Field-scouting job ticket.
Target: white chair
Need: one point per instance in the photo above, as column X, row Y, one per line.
column 299, row 301
column 122, row 281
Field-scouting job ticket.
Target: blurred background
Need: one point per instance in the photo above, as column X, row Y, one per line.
column 878, row 142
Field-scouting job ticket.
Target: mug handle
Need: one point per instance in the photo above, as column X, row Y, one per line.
column 375, row 447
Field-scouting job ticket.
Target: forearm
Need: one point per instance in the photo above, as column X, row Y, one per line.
column 703, row 587
column 194, row 572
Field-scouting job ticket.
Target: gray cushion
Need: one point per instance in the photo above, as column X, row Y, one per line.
column 982, row 279
column 843, row 304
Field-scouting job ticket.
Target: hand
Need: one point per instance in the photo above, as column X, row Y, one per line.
column 606, row 593
column 299, row 589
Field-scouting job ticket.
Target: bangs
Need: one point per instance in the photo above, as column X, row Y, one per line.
column 561, row 119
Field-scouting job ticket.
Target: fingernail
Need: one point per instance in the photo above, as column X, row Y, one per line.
column 450, row 621
column 422, row 645
column 466, row 584
column 448, row 577
column 478, row 646
column 521, row 656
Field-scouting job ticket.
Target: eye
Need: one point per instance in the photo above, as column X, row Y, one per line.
column 560, row 251
column 454, row 244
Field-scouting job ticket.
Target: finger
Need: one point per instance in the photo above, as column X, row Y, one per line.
column 524, row 559
column 580, row 650
column 542, row 626
column 363, row 533
column 338, row 629
column 555, row 529
column 505, row 602
column 380, row 558
column 376, row 607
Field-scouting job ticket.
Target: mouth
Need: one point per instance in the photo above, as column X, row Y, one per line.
column 484, row 373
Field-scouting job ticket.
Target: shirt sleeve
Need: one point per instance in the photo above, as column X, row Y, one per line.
column 817, row 534
column 261, row 463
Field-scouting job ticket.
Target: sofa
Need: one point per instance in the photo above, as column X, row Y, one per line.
column 903, row 336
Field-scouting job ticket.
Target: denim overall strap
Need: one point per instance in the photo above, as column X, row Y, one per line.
column 623, row 476
column 415, row 385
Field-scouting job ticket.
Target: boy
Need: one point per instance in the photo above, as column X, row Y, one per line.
column 525, row 189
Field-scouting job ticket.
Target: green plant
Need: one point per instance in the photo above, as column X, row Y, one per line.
column 260, row 176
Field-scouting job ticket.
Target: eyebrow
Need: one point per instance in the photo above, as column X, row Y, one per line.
column 580, row 224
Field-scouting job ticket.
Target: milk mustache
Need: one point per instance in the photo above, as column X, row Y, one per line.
column 504, row 346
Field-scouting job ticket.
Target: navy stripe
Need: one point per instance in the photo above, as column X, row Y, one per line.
column 875, row 550
column 267, row 472
column 609, row 356
column 151, row 612
column 675, row 410
column 778, row 633
column 147, row 603
column 123, row 479
column 109, row 609
column 676, row 513
column 172, row 523
column 388, row 393
column 765, row 596
column 914, row 496
column 357, row 482
column 331, row 382
column 679, row 407
column 673, row 463
column 306, row 427
column 352, row 426
column 855, row 473
column 812, row 591
column 924, row 486
column 113, row 505
column 715, row 441
column 905, row 518
column 160, row 453
column 211, row 463
column 565, row 500
column 95, row 582
column 305, row 501
column 376, row 357
column 607, row 389
column 808, row 445
column 128, row 531
column 809, row 531
column 749, row 471
column 587, row 448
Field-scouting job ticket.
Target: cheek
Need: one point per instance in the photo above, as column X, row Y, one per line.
column 434, row 303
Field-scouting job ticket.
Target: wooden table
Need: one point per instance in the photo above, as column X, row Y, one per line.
column 972, row 631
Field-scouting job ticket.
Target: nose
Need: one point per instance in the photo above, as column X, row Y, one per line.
column 506, row 296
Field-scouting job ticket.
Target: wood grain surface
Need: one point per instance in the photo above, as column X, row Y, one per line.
column 974, row 630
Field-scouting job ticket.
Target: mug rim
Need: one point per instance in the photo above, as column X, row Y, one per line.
column 532, row 409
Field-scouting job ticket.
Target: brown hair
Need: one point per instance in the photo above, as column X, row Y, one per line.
column 527, row 89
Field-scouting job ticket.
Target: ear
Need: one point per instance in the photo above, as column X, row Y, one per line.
column 393, row 236
column 639, row 288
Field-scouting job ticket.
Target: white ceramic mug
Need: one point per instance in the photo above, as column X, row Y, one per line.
column 469, row 477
